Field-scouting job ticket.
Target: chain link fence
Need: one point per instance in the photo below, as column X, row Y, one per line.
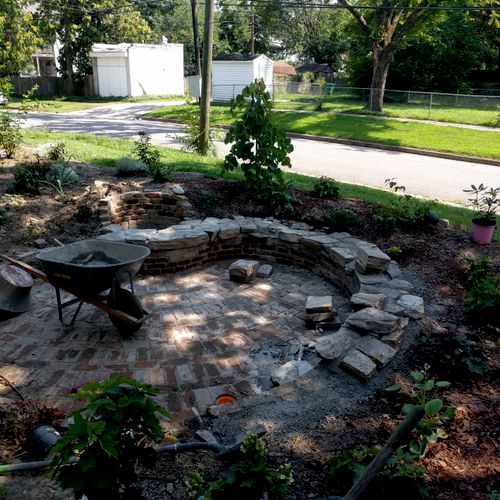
column 408, row 102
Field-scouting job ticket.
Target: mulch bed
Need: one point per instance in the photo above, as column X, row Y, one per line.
column 463, row 466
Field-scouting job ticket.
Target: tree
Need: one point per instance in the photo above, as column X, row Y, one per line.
column 386, row 29
column 80, row 23
column 19, row 36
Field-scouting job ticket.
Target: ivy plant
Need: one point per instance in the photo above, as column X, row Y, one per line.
column 259, row 146
column 109, row 436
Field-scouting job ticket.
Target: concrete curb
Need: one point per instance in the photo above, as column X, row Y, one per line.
column 372, row 145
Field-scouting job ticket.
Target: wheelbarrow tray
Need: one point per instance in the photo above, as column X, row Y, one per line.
column 90, row 278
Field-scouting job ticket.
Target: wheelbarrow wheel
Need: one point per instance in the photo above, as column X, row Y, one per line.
column 124, row 301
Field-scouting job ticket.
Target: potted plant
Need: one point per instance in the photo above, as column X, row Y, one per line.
column 485, row 202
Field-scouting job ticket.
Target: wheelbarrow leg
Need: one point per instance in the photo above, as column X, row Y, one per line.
column 61, row 306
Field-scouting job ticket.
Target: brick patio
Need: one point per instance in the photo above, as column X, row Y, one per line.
column 208, row 335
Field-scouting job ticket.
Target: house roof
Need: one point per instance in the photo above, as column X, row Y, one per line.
column 283, row 68
column 315, row 68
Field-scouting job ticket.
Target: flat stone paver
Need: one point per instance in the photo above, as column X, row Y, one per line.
column 205, row 332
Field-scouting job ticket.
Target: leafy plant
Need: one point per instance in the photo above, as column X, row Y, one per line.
column 195, row 485
column 109, row 435
column 83, row 213
column 145, row 151
column 400, row 473
column 404, row 213
column 461, row 354
column 483, row 290
column 161, row 173
column 29, row 177
column 57, row 153
column 324, row 187
column 341, row 219
column 192, row 130
column 6, row 202
column 394, row 252
column 281, row 201
column 431, row 427
column 252, row 477
column 259, row 147
column 126, row 167
column 485, row 202
column 59, row 176
column 10, row 133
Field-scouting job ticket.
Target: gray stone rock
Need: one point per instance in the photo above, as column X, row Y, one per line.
column 335, row 345
column 341, row 256
column 228, row 229
column 110, row 228
column 394, row 338
column 178, row 190
column 114, row 236
column 40, row 243
column 373, row 320
column 393, row 293
column 413, row 306
column 359, row 364
column 292, row 235
column 360, row 300
column 323, row 321
column 372, row 278
column 393, row 308
column 319, row 304
column 291, row 371
column 243, row 270
column 400, row 284
column 393, row 270
column 246, row 225
column 211, row 228
column 171, row 238
column 372, row 258
column 378, row 351
column 264, row 271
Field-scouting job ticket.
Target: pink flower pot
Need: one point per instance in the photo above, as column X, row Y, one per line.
column 481, row 234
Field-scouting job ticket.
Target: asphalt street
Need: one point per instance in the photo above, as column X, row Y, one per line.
column 434, row 178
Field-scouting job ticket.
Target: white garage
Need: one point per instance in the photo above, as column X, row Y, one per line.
column 138, row 69
column 230, row 74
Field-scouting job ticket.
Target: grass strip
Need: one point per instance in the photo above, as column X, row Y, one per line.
column 104, row 151
column 425, row 136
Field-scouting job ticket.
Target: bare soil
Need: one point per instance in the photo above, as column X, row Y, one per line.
column 465, row 465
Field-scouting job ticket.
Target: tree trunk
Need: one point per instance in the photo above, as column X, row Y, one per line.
column 382, row 59
column 196, row 38
column 68, row 57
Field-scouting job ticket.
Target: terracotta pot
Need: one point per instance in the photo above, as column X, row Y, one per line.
column 482, row 233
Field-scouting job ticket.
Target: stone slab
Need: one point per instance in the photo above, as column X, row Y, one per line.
column 335, row 345
column 243, row 270
column 291, row 371
column 413, row 306
column 372, row 258
column 373, row 320
column 172, row 239
column 378, row 351
column 264, row 271
column 394, row 339
column 319, row 304
column 359, row 364
column 361, row 300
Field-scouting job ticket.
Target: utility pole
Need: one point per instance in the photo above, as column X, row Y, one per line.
column 196, row 37
column 206, row 77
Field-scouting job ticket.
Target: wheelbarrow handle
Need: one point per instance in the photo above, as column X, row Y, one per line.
column 25, row 267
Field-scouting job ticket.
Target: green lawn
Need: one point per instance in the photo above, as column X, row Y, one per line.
column 102, row 150
column 347, row 103
column 456, row 140
column 67, row 104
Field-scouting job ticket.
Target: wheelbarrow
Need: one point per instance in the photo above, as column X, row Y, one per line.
column 92, row 271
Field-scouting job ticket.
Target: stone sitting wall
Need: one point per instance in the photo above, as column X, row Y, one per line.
column 383, row 303
column 137, row 209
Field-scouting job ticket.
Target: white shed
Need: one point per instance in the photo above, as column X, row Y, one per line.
column 230, row 74
column 138, row 69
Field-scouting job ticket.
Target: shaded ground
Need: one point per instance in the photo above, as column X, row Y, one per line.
column 463, row 466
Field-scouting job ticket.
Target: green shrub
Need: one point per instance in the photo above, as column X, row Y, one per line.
column 161, row 173
column 57, row 153
column 10, row 133
column 6, row 202
column 29, row 177
column 460, row 356
column 83, row 213
column 483, row 291
column 394, row 252
column 399, row 474
column 404, row 213
column 259, row 147
column 431, row 427
column 109, row 435
column 324, row 187
column 145, row 151
column 191, row 139
column 341, row 219
column 252, row 477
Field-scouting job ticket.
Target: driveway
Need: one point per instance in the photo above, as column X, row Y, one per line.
column 434, row 178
